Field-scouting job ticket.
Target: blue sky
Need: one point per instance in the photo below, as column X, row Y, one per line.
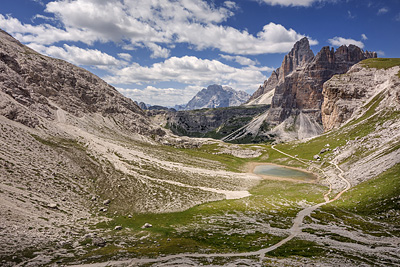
column 164, row 51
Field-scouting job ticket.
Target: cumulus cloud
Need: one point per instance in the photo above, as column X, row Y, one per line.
column 158, row 51
column 153, row 24
column 239, row 59
column 383, row 10
column 338, row 41
column 161, row 96
column 230, row 4
column 187, row 70
column 125, row 56
column 76, row 55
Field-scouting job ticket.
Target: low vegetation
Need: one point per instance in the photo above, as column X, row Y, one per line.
column 382, row 63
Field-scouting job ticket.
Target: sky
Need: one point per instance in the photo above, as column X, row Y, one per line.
column 162, row 52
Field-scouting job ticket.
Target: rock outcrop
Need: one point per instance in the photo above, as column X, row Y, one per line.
column 297, row 87
column 301, row 89
column 217, row 96
column 300, row 55
column 345, row 95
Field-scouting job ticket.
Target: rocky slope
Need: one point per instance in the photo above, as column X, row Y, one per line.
column 345, row 95
column 365, row 103
column 73, row 149
column 264, row 93
column 360, row 113
column 297, row 88
column 217, row 96
column 34, row 87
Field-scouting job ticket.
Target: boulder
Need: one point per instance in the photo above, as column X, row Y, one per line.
column 52, row 206
column 98, row 241
column 147, row 225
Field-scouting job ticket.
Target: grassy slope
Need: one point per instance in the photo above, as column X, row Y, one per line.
column 382, row 63
column 204, row 227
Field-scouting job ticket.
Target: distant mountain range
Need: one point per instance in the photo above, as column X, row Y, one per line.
column 214, row 96
column 217, row 96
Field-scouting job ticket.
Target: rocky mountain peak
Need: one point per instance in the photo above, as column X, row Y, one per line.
column 295, row 89
column 216, row 96
column 300, row 55
column 341, row 59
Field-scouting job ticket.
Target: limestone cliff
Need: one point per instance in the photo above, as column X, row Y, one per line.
column 297, row 88
column 345, row 95
column 301, row 90
column 300, row 55
column 265, row 92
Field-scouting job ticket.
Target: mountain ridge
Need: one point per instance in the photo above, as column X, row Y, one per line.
column 215, row 96
column 295, row 89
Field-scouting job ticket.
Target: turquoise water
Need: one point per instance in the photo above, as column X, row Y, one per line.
column 273, row 170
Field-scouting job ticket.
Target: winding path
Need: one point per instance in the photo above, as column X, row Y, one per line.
column 294, row 230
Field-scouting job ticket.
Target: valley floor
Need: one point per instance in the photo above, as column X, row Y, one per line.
column 92, row 204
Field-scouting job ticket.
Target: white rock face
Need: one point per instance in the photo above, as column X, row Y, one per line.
column 217, row 96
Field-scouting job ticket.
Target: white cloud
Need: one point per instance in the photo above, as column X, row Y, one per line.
column 76, row 55
column 125, row 56
column 39, row 16
column 158, row 51
column 339, row 41
column 239, row 59
column 274, row 38
column 188, row 70
column 43, row 34
column 383, row 10
column 230, row 4
column 304, row 3
column 364, row 37
column 161, row 96
column 255, row 68
column 143, row 23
